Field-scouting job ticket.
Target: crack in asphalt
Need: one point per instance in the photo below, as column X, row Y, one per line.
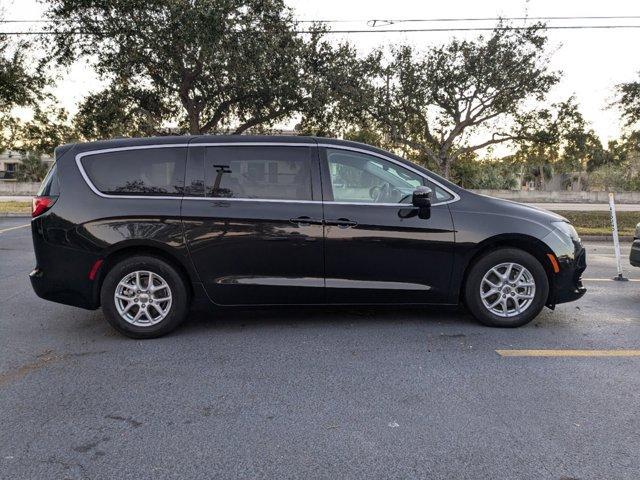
column 44, row 359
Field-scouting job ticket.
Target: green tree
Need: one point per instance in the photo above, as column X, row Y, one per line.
column 628, row 101
column 207, row 65
column 31, row 168
column 21, row 85
column 471, row 172
column 366, row 135
column 621, row 171
column 557, row 140
column 121, row 110
column 458, row 98
column 48, row 128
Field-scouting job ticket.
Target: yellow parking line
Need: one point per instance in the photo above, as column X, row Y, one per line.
column 14, row 228
column 569, row 353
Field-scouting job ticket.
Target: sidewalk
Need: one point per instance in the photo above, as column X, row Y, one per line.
column 15, row 198
column 588, row 207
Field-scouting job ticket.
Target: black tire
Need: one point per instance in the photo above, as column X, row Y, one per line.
column 177, row 311
column 472, row 293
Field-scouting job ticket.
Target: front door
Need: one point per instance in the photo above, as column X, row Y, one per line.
column 255, row 230
column 377, row 250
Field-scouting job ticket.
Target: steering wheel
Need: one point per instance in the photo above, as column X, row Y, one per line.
column 381, row 192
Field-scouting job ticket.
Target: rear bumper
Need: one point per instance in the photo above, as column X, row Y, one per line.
column 634, row 256
column 567, row 284
column 60, row 292
column 61, row 273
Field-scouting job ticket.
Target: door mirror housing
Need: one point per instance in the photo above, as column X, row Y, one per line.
column 421, row 197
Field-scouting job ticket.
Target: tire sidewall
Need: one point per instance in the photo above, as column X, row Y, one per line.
column 176, row 283
column 490, row 260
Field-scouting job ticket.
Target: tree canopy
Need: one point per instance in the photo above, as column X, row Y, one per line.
column 456, row 98
column 210, row 65
column 628, row 101
column 21, row 84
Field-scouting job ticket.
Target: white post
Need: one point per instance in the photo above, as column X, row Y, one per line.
column 616, row 240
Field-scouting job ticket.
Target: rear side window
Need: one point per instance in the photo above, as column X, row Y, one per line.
column 149, row 171
column 50, row 186
column 272, row 173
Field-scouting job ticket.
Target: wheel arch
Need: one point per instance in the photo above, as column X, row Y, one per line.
column 527, row 243
column 128, row 249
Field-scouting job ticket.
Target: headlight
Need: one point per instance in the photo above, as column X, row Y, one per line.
column 568, row 230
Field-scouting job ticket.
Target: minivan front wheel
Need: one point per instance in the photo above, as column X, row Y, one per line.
column 144, row 297
column 506, row 288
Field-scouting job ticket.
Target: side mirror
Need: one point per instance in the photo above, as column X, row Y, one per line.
column 421, row 197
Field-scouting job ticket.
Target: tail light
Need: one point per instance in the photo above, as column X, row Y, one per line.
column 39, row 205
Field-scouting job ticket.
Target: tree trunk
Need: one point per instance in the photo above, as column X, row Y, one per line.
column 445, row 165
column 194, row 123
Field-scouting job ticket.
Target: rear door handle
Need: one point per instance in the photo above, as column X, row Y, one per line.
column 306, row 221
column 342, row 223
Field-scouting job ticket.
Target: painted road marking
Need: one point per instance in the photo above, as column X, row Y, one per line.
column 608, row 280
column 14, row 228
column 568, row 353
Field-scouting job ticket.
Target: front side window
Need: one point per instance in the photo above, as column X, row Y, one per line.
column 361, row 178
column 358, row 177
column 149, row 171
column 258, row 172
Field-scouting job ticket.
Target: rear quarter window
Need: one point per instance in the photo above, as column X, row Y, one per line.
column 50, row 186
column 148, row 171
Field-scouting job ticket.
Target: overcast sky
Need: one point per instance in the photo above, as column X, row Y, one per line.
column 593, row 61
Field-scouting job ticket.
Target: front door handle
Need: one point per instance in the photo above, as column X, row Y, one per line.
column 342, row 223
column 305, row 221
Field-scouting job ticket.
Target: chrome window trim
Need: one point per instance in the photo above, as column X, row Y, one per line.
column 95, row 190
column 266, row 200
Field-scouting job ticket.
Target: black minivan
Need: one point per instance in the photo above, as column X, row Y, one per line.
column 145, row 227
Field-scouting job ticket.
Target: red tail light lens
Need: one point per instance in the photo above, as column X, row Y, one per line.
column 40, row 205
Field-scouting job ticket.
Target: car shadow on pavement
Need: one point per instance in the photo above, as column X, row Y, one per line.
column 301, row 317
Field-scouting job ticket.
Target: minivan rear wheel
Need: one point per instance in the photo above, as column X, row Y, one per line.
column 144, row 297
column 506, row 288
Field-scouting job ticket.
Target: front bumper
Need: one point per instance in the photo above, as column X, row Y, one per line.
column 567, row 283
column 634, row 256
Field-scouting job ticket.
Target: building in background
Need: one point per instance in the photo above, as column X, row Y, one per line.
column 10, row 161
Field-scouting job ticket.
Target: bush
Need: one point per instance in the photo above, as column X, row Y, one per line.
column 615, row 178
column 599, row 223
column 31, row 169
column 484, row 174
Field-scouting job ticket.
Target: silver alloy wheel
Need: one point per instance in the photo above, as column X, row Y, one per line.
column 507, row 289
column 143, row 298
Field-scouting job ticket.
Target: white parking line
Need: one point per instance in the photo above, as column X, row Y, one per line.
column 569, row 353
column 608, row 280
column 14, row 228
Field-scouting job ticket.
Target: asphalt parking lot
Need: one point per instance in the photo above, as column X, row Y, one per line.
column 319, row 393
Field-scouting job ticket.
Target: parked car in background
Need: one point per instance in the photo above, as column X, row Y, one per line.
column 143, row 227
column 634, row 255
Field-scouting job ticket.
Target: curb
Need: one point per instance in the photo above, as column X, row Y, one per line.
column 15, row 215
column 606, row 238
